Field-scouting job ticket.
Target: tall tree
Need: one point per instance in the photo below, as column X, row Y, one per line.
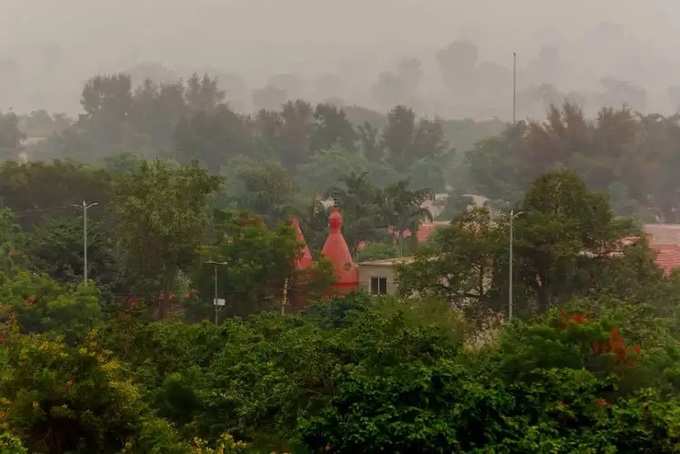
column 157, row 109
column 611, row 154
column 564, row 238
column 203, row 93
column 296, row 130
column 39, row 190
column 562, row 228
column 56, row 248
column 497, row 165
column 406, row 140
column 162, row 217
column 107, row 101
column 268, row 190
column 398, row 136
column 460, row 264
column 360, row 202
column 370, row 143
column 10, row 134
column 402, row 209
column 331, row 128
column 212, row 138
column 259, row 260
column 653, row 165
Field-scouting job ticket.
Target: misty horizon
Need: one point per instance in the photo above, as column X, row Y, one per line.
column 612, row 53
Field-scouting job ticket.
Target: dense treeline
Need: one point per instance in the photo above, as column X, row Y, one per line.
column 354, row 375
column 132, row 364
column 628, row 155
column 195, row 203
column 631, row 157
column 192, row 121
column 157, row 222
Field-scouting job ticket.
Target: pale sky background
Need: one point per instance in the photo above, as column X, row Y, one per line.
column 48, row 48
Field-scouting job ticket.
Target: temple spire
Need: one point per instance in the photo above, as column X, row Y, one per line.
column 304, row 260
column 336, row 251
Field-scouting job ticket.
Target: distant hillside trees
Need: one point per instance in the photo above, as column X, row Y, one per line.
column 193, row 120
column 10, row 134
column 631, row 157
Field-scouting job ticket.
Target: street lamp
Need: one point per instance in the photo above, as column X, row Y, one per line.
column 218, row 303
column 513, row 215
column 85, row 206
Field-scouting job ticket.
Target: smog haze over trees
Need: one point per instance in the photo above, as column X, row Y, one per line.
column 207, row 132
column 447, row 58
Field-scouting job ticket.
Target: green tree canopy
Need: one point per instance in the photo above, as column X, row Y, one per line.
column 12, row 241
column 162, row 214
column 39, row 190
column 562, row 228
column 258, row 261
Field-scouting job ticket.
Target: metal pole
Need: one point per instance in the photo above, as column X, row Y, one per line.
column 215, row 280
column 85, row 207
column 514, row 88
column 512, row 215
column 215, row 299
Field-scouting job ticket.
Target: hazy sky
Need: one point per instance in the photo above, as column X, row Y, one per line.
column 51, row 45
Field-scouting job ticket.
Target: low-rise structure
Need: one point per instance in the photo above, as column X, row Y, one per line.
column 379, row 277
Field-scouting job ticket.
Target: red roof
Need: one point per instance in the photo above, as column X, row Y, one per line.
column 667, row 257
column 336, row 251
column 664, row 239
column 426, row 230
column 304, row 260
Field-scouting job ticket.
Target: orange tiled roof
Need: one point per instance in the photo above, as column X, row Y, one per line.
column 664, row 239
column 667, row 257
column 426, row 230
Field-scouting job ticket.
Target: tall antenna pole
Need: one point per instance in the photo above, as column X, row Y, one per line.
column 514, row 88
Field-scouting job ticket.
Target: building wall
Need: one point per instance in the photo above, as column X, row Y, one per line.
column 366, row 272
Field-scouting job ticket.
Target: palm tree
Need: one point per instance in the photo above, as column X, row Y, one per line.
column 402, row 209
column 359, row 201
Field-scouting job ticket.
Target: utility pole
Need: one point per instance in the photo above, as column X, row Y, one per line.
column 218, row 303
column 215, row 298
column 85, row 206
column 514, row 88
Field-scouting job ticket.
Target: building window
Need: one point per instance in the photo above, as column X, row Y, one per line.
column 378, row 286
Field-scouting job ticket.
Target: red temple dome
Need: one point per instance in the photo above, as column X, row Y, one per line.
column 304, row 260
column 336, row 251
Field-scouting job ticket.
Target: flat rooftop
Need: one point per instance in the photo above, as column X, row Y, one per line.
column 388, row 262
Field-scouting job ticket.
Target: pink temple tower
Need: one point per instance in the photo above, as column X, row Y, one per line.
column 336, row 251
column 304, row 260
